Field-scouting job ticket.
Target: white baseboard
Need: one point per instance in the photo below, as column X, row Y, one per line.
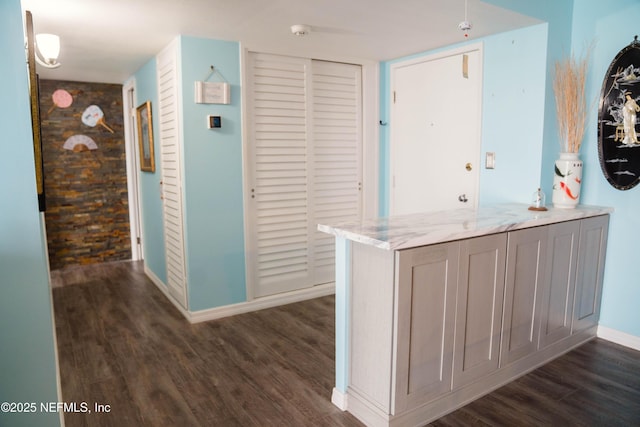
column 243, row 307
column 261, row 303
column 339, row 399
column 619, row 337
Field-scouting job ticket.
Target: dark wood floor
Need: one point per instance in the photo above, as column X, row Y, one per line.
column 121, row 343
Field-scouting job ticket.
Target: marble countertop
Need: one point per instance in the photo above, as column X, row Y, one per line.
column 409, row 231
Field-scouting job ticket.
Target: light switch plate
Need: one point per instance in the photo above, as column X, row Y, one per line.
column 490, row 160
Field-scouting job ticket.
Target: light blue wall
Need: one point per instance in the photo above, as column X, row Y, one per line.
column 611, row 25
column 150, row 202
column 512, row 114
column 213, row 178
column 27, row 354
column 385, row 136
column 558, row 15
column 343, row 275
column 212, row 172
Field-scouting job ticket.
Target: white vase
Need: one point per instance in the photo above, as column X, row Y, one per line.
column 567, row 181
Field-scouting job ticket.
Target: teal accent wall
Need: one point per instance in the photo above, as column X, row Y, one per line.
column 27, row 347
column 213, row 195
column 146, row 89
column 611, row 26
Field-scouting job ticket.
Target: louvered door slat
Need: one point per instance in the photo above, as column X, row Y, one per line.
column 169, row 142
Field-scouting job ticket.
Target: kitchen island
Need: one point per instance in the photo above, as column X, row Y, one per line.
column 435, row 310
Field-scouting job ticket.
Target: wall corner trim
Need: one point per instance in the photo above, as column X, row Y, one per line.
column 165, row 290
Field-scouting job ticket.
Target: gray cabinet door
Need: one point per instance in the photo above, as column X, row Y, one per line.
column 479, row 307
column 591, row 258
column 556, row 310
column 524, row 277
column 426, row 294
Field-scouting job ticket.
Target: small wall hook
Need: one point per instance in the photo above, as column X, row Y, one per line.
column 213, row 71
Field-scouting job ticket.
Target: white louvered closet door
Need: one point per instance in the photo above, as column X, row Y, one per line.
column 337, row 156
column 302, row 144
column 170, row 168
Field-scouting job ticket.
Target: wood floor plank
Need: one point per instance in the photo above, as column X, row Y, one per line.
column 122, row 343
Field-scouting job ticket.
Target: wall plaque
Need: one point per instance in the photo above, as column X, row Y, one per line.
column 618, row 135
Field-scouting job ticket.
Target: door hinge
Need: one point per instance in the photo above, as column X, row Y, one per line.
column 138, row 241
column 394, row 96
column 465, row 66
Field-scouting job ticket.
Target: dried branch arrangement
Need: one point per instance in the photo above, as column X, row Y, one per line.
column 569, row 88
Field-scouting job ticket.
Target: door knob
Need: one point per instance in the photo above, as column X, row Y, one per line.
column 463, row 198
column 468, row 166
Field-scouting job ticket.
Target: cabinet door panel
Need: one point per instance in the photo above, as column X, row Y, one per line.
column 525, row 272
column 479, row 307
column 426, row 292
column 591, row 257
column 557, row 297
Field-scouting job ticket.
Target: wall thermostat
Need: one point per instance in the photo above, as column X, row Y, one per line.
column 214, row 122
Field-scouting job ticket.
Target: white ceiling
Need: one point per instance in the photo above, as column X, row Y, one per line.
column 109, row 40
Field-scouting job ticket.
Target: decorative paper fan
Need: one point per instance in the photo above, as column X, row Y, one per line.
column 93, row 116
column 61, row 99
column 80, row 143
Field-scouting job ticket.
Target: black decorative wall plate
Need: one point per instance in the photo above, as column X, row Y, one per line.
column 618, row 116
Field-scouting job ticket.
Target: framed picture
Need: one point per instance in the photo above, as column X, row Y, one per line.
column 618, row 135
column 145, row 137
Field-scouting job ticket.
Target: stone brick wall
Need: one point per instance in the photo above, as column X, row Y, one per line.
column 87, row 214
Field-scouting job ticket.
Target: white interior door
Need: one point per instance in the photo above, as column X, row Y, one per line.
column 435, row 132
column 303, row 167
column 337, row 156
column 131, row 144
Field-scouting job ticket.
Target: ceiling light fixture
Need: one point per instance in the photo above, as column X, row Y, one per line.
column 300, row 30
column 47, row 50
column 465, row 25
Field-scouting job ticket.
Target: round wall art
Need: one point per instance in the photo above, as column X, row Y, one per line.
column 61, row 99
column 618, row 134
column 93, row 116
